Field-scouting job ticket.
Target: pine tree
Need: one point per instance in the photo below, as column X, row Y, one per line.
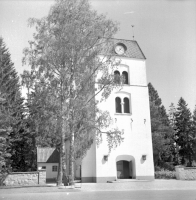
column 175, row 147
column 12, row 119
column 8, row 92
column 171, row 115
column 193, row 136
column 183, row 132
column 161, row 132
column 22, row 141
column 4, row 134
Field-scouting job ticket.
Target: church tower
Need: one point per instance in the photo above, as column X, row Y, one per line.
column 129, row 108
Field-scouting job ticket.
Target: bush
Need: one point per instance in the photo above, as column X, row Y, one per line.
column 165, row 174
column 168, row 166
column 157, row 168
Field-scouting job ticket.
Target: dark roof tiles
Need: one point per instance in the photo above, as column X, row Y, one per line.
column 47, row 155
column 132, row 48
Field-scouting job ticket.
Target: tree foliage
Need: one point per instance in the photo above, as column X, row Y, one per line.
column 193, row 136
column 65, row 65
column 4, row 142
column 172, row 123
column 184, row 132
column 161, row 131
column 8, row 93
column 16, row 143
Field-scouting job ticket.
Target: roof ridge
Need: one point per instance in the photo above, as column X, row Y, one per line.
column 120, row 39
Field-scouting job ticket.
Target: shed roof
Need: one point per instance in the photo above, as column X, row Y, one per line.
column 133, row 50
column 47, row 155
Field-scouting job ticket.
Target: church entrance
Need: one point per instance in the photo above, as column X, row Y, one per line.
column 124, row 169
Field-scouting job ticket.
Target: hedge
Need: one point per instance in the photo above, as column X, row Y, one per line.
column 165, row 174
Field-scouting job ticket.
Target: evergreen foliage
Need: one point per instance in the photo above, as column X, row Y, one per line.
column 173, row 136
column 161, row 132
column 184, row 132
column 193, row 137
column 8, row 93
column 16, row 142
column 4, row 142
column 172, row 122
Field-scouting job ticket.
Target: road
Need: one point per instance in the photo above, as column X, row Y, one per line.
column 104, row 195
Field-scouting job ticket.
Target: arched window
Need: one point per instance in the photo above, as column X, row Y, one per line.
column 125, row 77
column 118, row 105
column 126, row 105
column 116, row 76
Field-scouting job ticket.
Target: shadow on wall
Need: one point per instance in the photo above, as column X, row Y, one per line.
column 105, row 159
column 143, row 159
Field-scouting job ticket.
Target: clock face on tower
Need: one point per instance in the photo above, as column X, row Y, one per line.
column 120, row 49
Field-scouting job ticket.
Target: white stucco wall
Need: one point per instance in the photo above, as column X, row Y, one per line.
column 136, row 126
column 49, row 173
column 89, row 164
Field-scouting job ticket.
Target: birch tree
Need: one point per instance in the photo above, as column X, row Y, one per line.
column 65, row 60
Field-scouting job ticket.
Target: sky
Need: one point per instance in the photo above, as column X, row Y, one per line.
column 164, row 29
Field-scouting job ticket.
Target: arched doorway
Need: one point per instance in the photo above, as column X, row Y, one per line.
column 125, row 167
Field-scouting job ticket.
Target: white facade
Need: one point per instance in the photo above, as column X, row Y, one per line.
column 134, row 157
column 51, row 170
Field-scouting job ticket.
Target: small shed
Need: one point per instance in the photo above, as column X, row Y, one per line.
column 48, row 159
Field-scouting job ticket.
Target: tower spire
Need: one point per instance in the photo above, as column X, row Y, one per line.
column 133, row 30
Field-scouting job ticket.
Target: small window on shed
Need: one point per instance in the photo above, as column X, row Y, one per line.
column 54, row 168
column 43, row 167
column 118, row 105
column 125, row 77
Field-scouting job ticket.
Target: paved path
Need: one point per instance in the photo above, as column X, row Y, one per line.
column 156, row 185
column 140, row 185
column 105, row 195
column 134, row 190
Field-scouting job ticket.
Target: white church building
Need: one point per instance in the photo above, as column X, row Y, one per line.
column 129, row 108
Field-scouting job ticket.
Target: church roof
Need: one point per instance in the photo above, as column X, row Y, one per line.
column 133, row 50
column 47, row 155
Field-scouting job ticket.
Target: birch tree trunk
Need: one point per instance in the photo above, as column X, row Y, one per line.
column 71, row 158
